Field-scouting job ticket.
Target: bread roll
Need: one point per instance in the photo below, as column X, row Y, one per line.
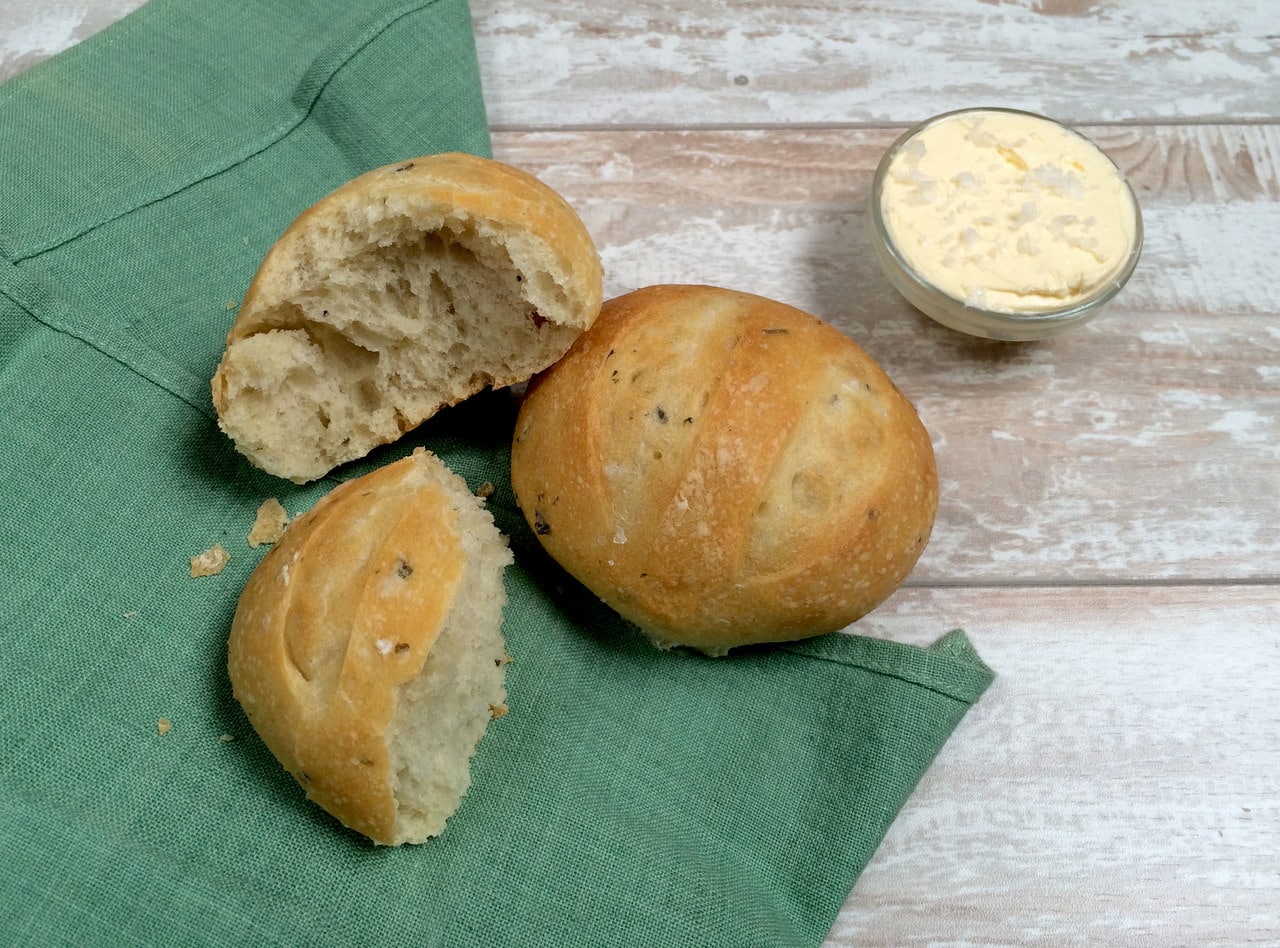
column 722, row 469
column 405, row 290
column 367, row 648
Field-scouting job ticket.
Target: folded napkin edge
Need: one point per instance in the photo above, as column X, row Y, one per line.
column 950, row 666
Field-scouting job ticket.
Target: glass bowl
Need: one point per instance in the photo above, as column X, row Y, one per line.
column 965, row 316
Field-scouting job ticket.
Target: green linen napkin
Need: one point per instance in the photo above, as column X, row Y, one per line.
column 631, row 797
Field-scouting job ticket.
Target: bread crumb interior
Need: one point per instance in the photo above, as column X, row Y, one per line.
column 411, row 315
column 442, row 714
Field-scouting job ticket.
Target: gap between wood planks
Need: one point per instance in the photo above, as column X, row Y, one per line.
column 588, row 128
column 1118, row 583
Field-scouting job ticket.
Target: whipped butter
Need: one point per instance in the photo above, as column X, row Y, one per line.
column 1008, row 212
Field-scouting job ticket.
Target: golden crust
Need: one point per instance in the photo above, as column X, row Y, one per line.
column 723, row 469
column 343, row 610
column 460, row 185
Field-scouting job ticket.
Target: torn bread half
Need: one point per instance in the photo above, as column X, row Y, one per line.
column 405, row 290
column 367, row 648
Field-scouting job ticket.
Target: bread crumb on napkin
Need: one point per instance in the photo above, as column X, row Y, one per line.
column 211, row 562
column 164, row 726
column 485, row 490
column 268, row 526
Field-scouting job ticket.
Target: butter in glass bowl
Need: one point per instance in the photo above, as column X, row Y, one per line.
column 1003, row 224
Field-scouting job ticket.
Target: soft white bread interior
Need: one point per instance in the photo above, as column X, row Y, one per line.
column 723, row 469
column 367, row 648
column 407, row 289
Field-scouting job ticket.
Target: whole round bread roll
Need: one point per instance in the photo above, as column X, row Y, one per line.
column 723, row 469
column 407, row 289
column 367, row 648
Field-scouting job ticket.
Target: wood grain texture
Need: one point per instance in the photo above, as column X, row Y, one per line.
column 549, row 63
column 31, row 32
column 704, row 62
column 1118, row 784
column 1143, row 445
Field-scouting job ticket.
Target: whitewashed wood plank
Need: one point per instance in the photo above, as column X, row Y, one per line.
column 705, row 62
column 1209, row 195
column 1146, row 444
column 548, row 63
column 33, row 30
column 1118, row 784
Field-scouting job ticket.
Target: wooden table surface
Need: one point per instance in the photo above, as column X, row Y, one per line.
column 1109, row 528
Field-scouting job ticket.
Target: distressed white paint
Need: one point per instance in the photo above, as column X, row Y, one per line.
column 1118, row 784
column 705, row 62
column 34, row 30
